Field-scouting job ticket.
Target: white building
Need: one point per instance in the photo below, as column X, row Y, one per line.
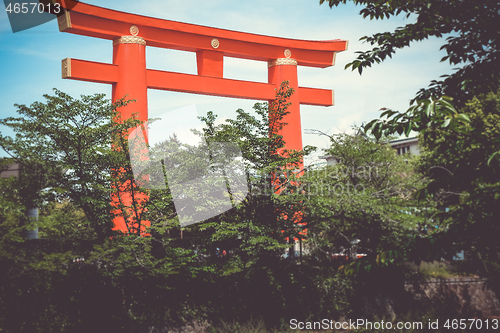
column 405, row 146
column 402, row 146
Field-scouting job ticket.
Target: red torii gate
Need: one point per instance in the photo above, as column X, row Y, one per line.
column 128, row 74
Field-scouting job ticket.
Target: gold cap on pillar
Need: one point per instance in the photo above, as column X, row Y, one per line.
column 129, row 40
column 282, row 61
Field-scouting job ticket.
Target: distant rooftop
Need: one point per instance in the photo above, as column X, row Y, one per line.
column 401, row 146
column 405, row 140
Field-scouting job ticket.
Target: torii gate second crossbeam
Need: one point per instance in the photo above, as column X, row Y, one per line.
column 128, row 73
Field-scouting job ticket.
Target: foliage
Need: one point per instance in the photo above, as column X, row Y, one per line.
column 257, row 225
column 254, row 326
column 461, row 164
column 364, row 203
column 10, row 207
column 424, row 114
column 77, row 279
column 456, row 117
column 64, row 146
column 229, row 268
column 465, row 181
column 435, row 269
column 472, row 41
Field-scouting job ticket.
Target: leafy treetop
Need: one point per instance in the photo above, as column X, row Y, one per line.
column 473, row 42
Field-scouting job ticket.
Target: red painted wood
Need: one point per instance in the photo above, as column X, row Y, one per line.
column 94, row 21
column 129, row 76
column 209, row 85
column 162, row 80
column 316, row 96
column 92, row 71
column 210, row 63
column 292, row 133
column 131, row 83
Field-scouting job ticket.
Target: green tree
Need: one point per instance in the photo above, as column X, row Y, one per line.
column 364, row 201
column 73, row 151
column 473, row 41
column 65, row 148
column 77, row 279
column 259, row 223
column 458, row 132
column 256, row 232
column 465, row 182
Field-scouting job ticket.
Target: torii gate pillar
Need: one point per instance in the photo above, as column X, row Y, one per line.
column 129, row 54
column 285, row 69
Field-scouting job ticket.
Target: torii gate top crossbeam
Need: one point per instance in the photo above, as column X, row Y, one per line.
column 89, row 20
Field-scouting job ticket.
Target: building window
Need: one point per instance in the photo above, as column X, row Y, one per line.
column 403, row 150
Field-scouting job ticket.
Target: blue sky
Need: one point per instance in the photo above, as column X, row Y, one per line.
column 30, row 61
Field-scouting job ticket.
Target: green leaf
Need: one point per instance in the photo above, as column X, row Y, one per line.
column 446, row 122
column 492, row 157
column 463, row 117
column 408, row 129
column 428, row 107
